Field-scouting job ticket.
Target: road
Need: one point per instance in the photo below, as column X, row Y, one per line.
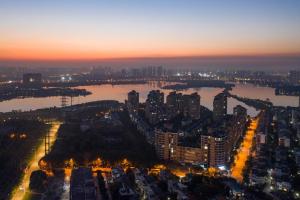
column 244, row 151
column 20, row 190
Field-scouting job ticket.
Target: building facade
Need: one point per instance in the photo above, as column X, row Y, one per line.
column 168, row 148
column 155, row 107
column 133, row 100
column 189, row 105
column 214, row 147
column 166, row 145
column 220, row 107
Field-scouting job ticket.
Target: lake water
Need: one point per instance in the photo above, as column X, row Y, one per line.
column 263, row 93
column 119, row 92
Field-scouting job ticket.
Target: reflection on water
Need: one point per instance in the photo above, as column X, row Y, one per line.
column 264, row 93
column 119, row 92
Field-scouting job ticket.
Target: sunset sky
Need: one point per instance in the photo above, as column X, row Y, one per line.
column 95, row 29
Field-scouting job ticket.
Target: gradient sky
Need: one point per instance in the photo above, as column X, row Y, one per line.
column 95, row 29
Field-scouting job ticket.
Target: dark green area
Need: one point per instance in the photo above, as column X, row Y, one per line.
column 111, row 143
column 203, row 187
column 38, row 180
column 16, row 151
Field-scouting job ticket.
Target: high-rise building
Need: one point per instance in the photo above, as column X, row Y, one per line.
column 171, row 104
column 220, row 107
column 155, row 106
column 185, row 104
column 32, row 80
column 194, row 106
column 155, row 96
column 174, row 104
column 166, row 144
column 189, row 105
column 133, row 100
column 214, row 149
column 237, row 125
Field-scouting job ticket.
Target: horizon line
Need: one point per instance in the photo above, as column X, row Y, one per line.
column 267, row 55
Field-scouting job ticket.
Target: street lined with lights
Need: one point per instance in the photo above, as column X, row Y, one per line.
column 244, row 151
column 20, row 191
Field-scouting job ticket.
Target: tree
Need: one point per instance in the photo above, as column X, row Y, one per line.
column 38, row 181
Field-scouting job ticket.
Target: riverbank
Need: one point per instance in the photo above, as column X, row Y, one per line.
column 187, row 84
column 256, row 103
column 13, row 93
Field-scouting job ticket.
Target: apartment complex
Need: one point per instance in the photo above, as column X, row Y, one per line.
column 133, row 100
column 189, row 105
column 220, row 107
column 155, row 106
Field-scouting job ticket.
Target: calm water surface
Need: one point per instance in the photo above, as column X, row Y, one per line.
column 264, row 93
column 119, row 92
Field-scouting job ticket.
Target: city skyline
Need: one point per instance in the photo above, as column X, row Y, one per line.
column 149, row 100
column 91, row 30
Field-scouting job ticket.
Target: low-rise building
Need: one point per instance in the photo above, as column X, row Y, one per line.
column 143, row 186
column 284, row 138
column 82, row 185
column 178, row 188
column 192, row 155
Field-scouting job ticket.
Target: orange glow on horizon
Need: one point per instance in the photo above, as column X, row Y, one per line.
column 61, row 55
column 112, row 30
column 37, row 50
